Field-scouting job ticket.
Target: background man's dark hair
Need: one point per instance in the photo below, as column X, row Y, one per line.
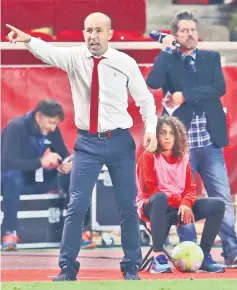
column 50, row 108
column 184, row 15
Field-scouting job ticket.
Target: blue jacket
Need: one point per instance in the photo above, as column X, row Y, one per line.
column 22, row 144
column 203, row 91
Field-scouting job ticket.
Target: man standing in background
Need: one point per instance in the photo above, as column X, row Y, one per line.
column 193, row 83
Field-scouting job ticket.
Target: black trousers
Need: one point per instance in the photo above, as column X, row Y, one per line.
column 163, row 217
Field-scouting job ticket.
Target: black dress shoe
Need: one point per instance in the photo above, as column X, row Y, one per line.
column 130, row 276
column 68, row 273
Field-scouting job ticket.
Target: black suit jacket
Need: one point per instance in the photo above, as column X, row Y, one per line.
column 169, row 73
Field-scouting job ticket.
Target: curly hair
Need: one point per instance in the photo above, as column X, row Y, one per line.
column 180, row 135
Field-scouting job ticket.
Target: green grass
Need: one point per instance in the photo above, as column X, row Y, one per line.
column 127, row 285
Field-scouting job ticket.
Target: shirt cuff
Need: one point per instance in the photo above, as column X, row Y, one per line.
column 168, row 50
column 33, row 41
column 150, row 128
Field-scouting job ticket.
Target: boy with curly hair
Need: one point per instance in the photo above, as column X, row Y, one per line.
column 167, row 195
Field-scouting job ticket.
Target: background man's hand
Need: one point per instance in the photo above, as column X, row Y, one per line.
column 66, row 166
column 168, row 41
column 17, row 35
column 50, row 160
column 174, row 100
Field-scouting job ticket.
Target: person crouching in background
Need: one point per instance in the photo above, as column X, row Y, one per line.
column 34, row 160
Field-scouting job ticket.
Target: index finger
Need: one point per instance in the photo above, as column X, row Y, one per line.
column 13, row 28
column 182, row 214
column 179, row 211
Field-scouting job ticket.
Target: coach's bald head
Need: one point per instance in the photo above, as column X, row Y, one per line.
column 97, row 32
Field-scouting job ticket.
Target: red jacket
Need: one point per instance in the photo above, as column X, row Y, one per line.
column 149, row 185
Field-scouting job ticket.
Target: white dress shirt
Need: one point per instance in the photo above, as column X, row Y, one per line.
column 118, row 73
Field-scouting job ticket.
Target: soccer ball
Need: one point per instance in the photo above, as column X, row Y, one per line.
column 188, row 257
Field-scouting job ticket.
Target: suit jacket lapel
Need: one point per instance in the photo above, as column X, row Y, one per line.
column 179, row 64
column 178, row 60
column 199, row 63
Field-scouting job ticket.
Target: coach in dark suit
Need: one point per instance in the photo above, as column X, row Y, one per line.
column 193, row 83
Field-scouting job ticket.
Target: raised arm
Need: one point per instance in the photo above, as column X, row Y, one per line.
column 57, row 56
column 157, row 77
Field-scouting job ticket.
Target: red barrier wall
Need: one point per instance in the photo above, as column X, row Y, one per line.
column 22, row 88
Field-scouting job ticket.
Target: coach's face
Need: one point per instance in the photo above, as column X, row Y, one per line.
column 187, row 34
column 97, row 33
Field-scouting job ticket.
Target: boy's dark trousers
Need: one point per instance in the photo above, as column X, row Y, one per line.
column 162, row 217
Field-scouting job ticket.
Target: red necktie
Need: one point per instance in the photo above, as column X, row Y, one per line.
column 94, row 102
